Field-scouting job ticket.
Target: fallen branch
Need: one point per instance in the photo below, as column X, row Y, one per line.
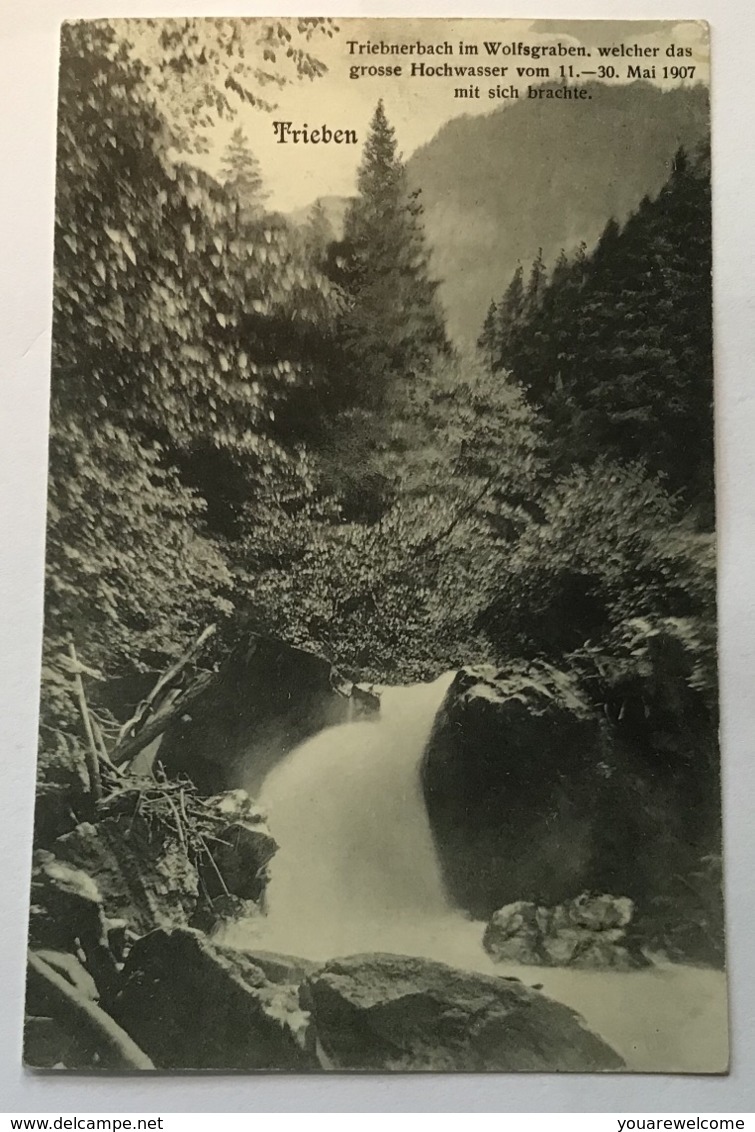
column 218, row 873
column 77, row 1012
column 102, row 746
column 164, row 681
column 179, row 826
column 127, row 749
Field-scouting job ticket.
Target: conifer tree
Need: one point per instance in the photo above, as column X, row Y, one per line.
column 510, row 314
column 241, row 172
column 395, row 325
column 536, row 284
column 551, row 333
column 486, row 342
column 525, row 340
column 318, row 233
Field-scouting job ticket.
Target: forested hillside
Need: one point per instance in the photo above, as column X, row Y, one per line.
column 272, row 430
column 498, row 187
column 614, row 347
column 181, row 325
column 264, row 429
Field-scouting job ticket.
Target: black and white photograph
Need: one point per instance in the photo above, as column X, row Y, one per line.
column 379, row 697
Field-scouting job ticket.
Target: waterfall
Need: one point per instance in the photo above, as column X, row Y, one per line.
column 356, row 869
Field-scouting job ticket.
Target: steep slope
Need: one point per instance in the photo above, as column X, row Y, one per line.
column 499, row 186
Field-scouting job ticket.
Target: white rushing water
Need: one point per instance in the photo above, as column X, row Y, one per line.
column 357, row 871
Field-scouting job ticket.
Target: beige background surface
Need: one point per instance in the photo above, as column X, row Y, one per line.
column 28, row 59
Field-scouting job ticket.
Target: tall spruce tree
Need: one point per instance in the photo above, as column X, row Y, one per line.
column 536, row 284
column 391, row 334
column 395, row 324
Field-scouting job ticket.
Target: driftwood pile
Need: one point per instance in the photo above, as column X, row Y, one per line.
column 119, row 854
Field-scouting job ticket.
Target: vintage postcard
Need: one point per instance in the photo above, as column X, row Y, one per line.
column 379, row 696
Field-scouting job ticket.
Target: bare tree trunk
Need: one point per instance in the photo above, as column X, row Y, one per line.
column 91, row 753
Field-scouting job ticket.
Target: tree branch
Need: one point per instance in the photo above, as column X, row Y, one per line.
column 127, row 749
column 75, row 1011
column 164, row 681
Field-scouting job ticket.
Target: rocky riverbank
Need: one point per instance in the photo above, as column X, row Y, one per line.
column 544, row 824
column 121, row 975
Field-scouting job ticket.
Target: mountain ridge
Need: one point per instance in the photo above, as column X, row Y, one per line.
column 555, row 181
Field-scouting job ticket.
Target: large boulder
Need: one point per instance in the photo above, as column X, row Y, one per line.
column 191, row 1004
column 68, row 920
column 266, row 699
column 66, row 905
column 511, row 778
column 393, row 1012
column 534, row 794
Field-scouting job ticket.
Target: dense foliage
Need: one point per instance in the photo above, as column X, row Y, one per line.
column 180, row 329
column 615, row 346
column 398, row 596
column 256, row 425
